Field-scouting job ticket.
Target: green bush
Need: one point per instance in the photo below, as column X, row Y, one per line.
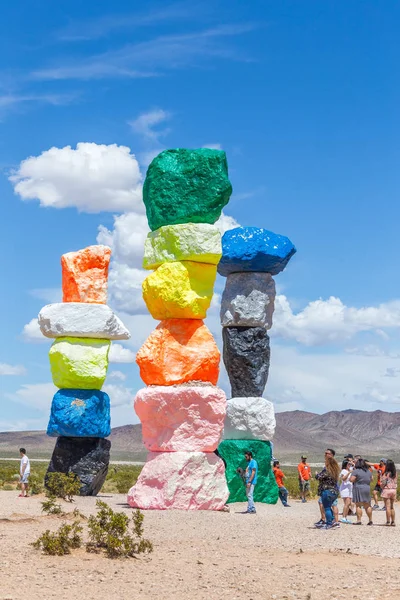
column 7, row 487
column 50, row 507
column 60, row 542
column 35, row 484
column 109, row 531
column 62, row 485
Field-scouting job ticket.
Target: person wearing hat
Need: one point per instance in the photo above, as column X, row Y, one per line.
column 380, row 468
column 304, row 470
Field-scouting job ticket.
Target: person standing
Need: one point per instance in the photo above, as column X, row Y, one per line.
column 346, row 489
column 304, row 470
column 251, row 481
column 389, row 491
column 24, row 471
column 328, row 489
column 380, row 468
column 361, row 480
column 279, row 477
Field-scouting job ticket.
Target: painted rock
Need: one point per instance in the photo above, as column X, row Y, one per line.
column 174, row 418
column 79, row 363
column 178, row 351
column 183, row 186
column 249, row 419
column 87, row 457
column 198, row 242
column 232, row 452
column 80, row 413
column 79, row 319
column 254, row 249
column 84, row 275
column 179, row 290
column 180, row 480
column 246, row 357
column 248, row 300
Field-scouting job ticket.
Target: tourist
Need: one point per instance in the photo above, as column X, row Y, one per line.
column 24, row 471
column 389, row 491
column 304, row 470
column 279, row 477
column 329, row 452
column 380, row 468
column 361, row 479
column 346, row 489
column 328, row 488
column 251, row 481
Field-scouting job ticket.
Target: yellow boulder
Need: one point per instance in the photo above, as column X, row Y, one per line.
column 180, row 290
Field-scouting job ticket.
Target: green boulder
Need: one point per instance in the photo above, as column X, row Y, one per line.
column 232, row 451
column 186, row 186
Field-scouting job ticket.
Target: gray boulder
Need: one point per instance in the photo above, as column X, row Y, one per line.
column 246, row 356
column 87, row 457
column 248, row 300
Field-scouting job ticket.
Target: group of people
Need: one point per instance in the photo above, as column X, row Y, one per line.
column 352, row 482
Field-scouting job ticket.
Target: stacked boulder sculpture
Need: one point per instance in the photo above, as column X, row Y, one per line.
column 181, row 411
column 250, row 257
column 83, row 327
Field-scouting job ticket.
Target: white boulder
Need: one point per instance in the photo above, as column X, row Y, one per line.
column 80, row 319
column 249, row 419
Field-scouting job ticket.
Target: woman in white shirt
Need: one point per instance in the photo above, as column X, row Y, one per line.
column 346, row 489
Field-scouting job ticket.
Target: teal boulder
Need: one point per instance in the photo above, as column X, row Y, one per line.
column 186, row 186
column 232, row 452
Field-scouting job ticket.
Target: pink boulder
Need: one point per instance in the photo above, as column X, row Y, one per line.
column 188, row 418
column 180, row 480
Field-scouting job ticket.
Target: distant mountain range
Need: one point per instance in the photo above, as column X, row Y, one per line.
column 369, row 433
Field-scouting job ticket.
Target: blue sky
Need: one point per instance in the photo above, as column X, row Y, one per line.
column 302, row 96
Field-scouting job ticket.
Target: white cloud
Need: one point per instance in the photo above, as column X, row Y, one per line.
column 119, row 394
column 331, row 321
column 225, row 222
column 145, row 124
column 12, row 369
column 92, row 178
column 34, row 395
column 32, row 334
column 213, row 146
column 119, row 354
column 126, row 239
column 119, row 375
column 125, row 289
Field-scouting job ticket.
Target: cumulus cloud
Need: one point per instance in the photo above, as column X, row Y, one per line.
column 34, row 395
column 146, row 124
column 31, row 333
column 119, row 375
column 12, row 369
column 225, row 222
column 119, row 354
column 126, row 239
column 331, row 321
column 119, row 394
column 92, row 178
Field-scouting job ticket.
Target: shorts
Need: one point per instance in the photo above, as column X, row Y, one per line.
column 24, row 478
column 334, row 503
column 388, row 493
column 378, row 488
column 304, row 486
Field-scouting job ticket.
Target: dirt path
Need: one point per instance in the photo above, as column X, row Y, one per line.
column 199, row 555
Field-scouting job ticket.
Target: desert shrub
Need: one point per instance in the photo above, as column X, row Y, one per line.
column 50, row 506
column 7, row 487
column 35, row 484
column 121, row 478
column 62, row 485
column 109, row 531
column 61, row 541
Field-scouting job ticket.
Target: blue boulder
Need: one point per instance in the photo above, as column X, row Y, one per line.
column 80, row 413
column 252, row 249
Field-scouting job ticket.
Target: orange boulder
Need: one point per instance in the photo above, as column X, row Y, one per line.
column 84, row 275
column 177, row 351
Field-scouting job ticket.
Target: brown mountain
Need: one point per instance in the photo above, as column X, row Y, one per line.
column 369, row 433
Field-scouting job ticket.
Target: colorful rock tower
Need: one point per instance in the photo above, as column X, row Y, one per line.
column 182, row 412
column 83, row 327
column 250, row 256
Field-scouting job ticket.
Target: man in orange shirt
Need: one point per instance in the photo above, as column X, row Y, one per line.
column 279, row 477
column 380, row 468
column 304, row 470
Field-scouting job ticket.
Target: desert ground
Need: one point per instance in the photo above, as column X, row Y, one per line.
column 275, row 554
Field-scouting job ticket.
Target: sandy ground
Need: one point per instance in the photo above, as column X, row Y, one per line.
column 275, row 554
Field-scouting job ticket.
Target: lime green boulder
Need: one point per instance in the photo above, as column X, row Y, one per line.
column 232, row 451
column 186, row 186
column 198, row 242
column 79, row 363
